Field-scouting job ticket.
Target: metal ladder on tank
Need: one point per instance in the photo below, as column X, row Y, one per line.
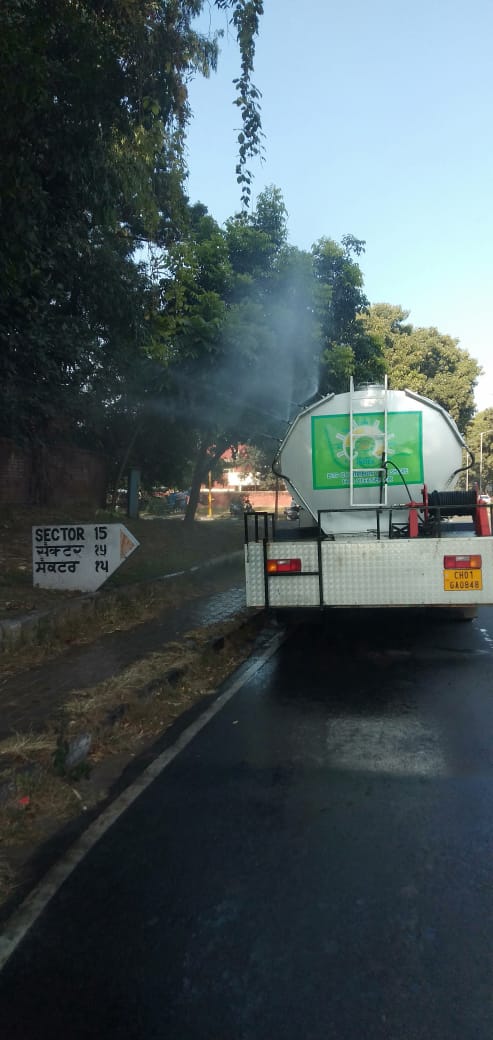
column 377, row 469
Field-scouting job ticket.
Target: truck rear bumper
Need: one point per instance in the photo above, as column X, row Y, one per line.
column 400, row 573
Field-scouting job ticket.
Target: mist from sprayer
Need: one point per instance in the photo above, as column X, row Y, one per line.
column 258, row 373
column 269, row 375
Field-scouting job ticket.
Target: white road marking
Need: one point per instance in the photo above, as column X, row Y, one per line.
column 486, row 636
column 37, row 901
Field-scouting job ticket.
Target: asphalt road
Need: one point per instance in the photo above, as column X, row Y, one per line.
column 317, row 864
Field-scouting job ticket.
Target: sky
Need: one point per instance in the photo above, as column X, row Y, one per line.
column 378, row 123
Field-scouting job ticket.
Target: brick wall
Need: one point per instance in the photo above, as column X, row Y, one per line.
column 15, row 474
column 77, row 476
column 71, row 475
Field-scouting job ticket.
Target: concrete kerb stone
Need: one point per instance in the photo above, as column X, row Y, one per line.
column 32, row 627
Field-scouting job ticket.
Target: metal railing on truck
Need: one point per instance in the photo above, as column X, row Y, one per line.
column 422, row 520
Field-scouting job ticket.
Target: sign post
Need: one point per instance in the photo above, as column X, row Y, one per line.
column 79, row 556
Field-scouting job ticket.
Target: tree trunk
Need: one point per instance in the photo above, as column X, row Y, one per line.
column 123, row 464
column 204, row 463
column 201, row 466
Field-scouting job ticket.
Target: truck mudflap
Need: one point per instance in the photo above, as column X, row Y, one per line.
column 408, row 572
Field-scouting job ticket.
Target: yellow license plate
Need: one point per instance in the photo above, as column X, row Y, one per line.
column 462, row 580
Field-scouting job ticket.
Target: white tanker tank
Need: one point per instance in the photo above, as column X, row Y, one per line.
column 371, row 446
column 374, row 470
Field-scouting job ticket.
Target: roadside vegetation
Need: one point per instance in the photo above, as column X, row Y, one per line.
column 166, row 546
column 132, row 323
column 53, row 780
column 65, row 755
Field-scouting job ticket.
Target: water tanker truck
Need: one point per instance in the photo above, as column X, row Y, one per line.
column 374, row 471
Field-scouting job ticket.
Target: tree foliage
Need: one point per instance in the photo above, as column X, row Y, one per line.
column 479, row 438
column 213, row 323
column 233, row 328
column 230, row 346
column 349, row 349
column 424, row 360
column 249, row 325
column 246, row 18
column 94, row 113
column 244, row 326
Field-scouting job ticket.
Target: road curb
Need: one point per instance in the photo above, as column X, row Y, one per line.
column 34, row 627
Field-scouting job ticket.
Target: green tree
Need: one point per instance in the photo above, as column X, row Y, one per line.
column 238, row 335
column 347, row 347
column 270, row 216
column 94, row 113
column 424, row 360
column 245, row 18
column 190, row 330
column 479, row 438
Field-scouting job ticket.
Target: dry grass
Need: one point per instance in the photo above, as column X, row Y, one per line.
column 26, row 746
column 52, row 802
column 45, row 801
column 201, row 670
column 94, row 701
column 41, row 801
column 118, row 613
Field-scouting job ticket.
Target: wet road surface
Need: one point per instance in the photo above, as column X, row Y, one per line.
column 316, row 865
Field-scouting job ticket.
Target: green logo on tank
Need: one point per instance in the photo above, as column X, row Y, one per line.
column 331, row 449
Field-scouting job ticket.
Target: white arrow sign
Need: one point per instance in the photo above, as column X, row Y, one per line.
column 79, row 556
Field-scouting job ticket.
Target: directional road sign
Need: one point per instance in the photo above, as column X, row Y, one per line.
column 79, row 556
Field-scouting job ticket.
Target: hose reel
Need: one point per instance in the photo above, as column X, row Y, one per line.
column 452, row 503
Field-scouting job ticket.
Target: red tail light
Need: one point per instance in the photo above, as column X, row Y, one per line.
column 291, row 566
column 452, row 563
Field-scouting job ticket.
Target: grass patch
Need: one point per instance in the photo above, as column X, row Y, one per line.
column 51, row 802
column 23, row 746
column 118, row 612
column 166, row 545
column 124, row 715
column 94, row 702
